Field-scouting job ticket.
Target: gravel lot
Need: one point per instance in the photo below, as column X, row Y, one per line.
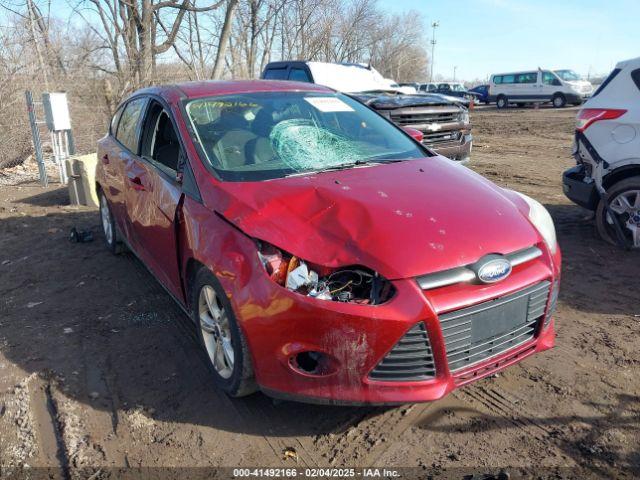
column 98, row 366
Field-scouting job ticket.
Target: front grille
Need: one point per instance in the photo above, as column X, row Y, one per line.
column 441, row 137
column 410, row 359
column 482, row 331
column 406, row 118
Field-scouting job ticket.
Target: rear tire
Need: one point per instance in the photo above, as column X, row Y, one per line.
column 225, row 347
column 559, row 100
column 626, row 188
column 502, row 102
column 109, row 229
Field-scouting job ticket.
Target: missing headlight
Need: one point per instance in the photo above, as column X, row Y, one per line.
column 354, row 284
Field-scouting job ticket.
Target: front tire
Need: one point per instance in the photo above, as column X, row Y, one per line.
column 623, row 199
column 226, row 349
column 109, row 230
column 502, row 102
column 559, row 100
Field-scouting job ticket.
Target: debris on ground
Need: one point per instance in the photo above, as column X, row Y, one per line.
column 80, row 236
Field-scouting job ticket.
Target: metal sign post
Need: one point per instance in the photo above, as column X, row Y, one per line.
column 35, row 135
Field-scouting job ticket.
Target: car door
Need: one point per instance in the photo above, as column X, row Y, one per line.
column 118, row 159
column 154, row 194
column 549, row 84
column 527, row 85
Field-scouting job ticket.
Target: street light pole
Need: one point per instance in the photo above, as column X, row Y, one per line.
column 434, row 25
column 454, row 72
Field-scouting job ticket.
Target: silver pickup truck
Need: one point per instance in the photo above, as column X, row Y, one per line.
column 443, row 120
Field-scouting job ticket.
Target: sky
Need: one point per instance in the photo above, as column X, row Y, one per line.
column 481, row 37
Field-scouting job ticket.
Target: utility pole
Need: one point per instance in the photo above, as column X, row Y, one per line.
column 434, row 25
column 454, row 72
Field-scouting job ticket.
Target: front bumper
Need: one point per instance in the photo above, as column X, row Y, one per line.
column 354, row 339
column 458, row 150
column 577, row 190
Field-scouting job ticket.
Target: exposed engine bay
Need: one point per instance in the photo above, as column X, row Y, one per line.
column 353, row 284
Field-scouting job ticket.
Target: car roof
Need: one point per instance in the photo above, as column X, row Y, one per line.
column 208, row 88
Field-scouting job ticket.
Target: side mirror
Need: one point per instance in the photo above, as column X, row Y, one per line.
column 417, row 135
column 557, row 82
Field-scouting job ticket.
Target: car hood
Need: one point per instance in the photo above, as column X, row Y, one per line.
column 381, row 101
column 402, row 219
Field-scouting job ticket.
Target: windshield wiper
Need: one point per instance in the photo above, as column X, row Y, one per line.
column 345, row 166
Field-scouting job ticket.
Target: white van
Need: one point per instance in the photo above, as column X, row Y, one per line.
column 535, row 86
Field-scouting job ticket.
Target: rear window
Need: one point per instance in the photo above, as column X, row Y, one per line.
column 276, row 74
column 299, row 75
column 635, row 76
column 127, row 127
column 614, row 73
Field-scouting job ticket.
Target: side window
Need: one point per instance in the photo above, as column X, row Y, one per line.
column 113, row 126
column 529, row 77
column 275, row 74
column 127, row 132
column 159, row 139
column 549, row 78
column 497, row 79
column 508, row 79
column 299, row 75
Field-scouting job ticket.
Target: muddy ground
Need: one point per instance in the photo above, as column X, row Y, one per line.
column 98, row 366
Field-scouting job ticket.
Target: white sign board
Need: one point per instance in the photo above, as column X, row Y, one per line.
column 56, row 111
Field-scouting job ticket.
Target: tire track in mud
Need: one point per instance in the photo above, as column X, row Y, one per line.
column 496, row 401
column 367, row 436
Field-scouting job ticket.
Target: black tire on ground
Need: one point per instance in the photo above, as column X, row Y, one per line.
column 502, row 102
column 241, row 382
column 113, row 241
column 605, row 229
column 559, row 100
column 520, row 105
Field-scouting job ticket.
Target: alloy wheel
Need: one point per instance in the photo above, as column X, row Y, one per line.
column 216, row 331
column 627, row 208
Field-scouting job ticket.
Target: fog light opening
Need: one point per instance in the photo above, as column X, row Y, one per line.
column 311, row 363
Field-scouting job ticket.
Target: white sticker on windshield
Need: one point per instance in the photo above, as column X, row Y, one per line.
column 329, row 104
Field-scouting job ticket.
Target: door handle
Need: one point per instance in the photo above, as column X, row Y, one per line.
column 136, row 183
column 105, row 159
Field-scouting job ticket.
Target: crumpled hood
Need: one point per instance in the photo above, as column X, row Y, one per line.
column 402, row 219
column 384, row 101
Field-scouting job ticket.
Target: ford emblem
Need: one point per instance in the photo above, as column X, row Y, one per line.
column 493, row 269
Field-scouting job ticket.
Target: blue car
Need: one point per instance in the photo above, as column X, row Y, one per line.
column 482, row 93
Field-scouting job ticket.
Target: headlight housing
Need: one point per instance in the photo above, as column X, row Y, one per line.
column 353, row 284
column 541, row 219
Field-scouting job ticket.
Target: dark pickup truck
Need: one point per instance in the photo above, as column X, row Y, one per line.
column 443, row 121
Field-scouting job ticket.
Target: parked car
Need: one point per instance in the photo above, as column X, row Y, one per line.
column 321, row 252
column 482, row 93
column 534, row 86
column 606, row 178
column 454, row 89
column 427, row 87
column 444, row 121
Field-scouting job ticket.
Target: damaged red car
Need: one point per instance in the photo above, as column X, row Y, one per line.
column 323, row 253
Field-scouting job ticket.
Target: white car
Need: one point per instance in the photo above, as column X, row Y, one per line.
column 607, row 150
column 535, row 86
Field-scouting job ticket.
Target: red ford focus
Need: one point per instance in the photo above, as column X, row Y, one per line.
column 324, row 254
